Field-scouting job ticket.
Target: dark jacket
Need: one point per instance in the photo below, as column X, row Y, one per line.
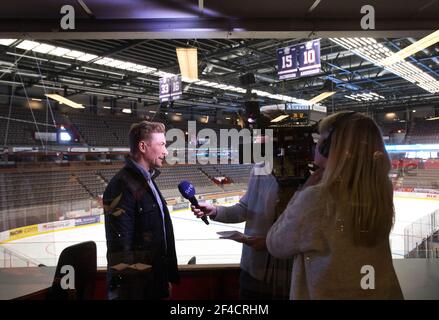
column 134, row 232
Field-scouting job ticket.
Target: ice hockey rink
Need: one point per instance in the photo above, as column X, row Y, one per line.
column 193, row 237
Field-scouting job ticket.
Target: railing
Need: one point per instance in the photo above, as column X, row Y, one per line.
column 421, row 238
column 23, row 216
column 11, row 259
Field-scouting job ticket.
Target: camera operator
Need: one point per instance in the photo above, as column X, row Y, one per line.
column 262, row 275
column 257, row 209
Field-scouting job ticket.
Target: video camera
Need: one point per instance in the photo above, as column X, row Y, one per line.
column 294, row 127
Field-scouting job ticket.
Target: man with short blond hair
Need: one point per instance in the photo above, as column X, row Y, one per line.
column 138, row 226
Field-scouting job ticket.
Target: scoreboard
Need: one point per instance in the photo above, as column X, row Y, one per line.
column 299, row 113
column 170, row 89
column 299, row 60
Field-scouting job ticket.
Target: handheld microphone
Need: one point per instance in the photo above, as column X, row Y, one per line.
column 187, row 190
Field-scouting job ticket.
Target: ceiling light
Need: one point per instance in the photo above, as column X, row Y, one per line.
column 280, row 118
column 114, row 63
column 127, row 66
column 211, row 84
column 126, row 110
column 163, row 74
column 321, row 97
column 7, row 42
column 87, row 57
column 74, row 54
column 28, row 45
column 43, row 48
column 412, row 49
column 65, row 101
column 103, row 61
column 390, row 115
column 58, row 51
column 374, row 52
column 104, row 71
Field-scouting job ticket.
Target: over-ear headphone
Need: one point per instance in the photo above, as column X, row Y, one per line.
column 325, row 145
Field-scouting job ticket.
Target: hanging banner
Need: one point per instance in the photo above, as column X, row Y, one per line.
column 287, row 63
column 308, row 57
column 299, row 60
column 170, row 89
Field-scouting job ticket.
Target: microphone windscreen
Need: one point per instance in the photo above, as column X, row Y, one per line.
column 186, row 189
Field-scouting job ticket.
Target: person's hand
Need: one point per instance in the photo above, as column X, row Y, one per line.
column 256, row 242
column 204, row 209
column 314, row 179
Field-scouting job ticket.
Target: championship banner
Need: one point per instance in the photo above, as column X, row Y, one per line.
column 299, row 60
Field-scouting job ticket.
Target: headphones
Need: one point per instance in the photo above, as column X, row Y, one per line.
column 325, row 146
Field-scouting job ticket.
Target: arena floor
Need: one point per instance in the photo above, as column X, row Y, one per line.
column 194, row 238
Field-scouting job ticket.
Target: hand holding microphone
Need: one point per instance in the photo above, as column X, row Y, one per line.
column 203, row 210
column 187, row 190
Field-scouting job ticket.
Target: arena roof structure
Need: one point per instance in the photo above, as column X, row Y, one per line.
column 119, row 50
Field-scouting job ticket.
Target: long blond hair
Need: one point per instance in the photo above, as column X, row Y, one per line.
column 357, row 176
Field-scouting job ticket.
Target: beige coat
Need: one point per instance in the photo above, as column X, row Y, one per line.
column 327, row 265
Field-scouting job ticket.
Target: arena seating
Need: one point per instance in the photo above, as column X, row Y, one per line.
column 170, row 177
column 388, row 128
column 94, row 130
column 19, row 130
column 421, row 178
column 103, row 130
column 424, row 131
column 41, row 195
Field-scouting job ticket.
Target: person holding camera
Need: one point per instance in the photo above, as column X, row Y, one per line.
column 337, row 227
column 257, row 209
